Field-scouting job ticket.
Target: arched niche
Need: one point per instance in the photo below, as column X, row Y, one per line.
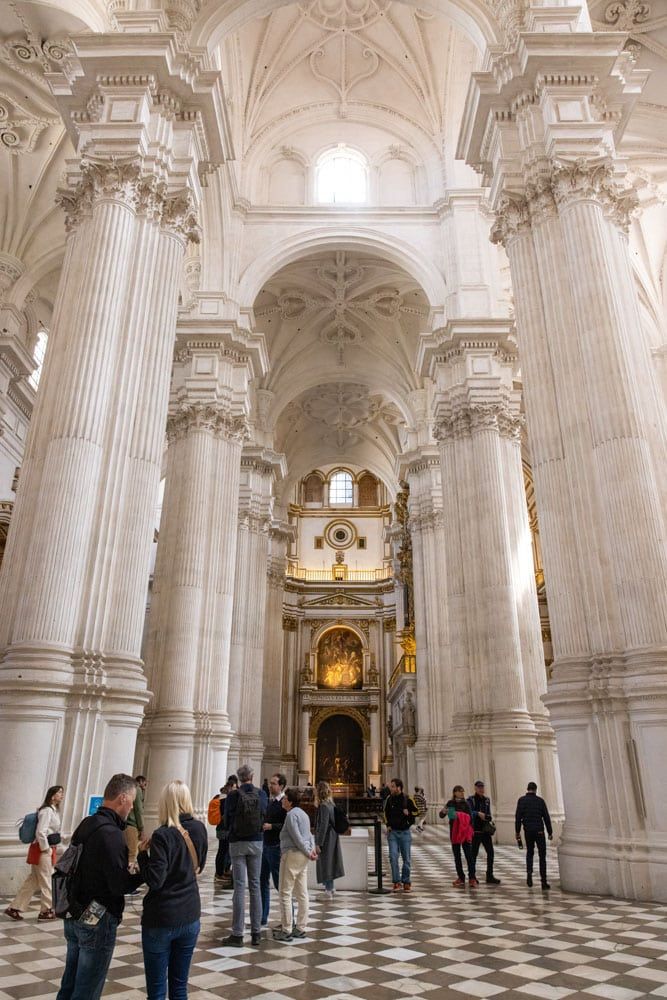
column 287, row 182
column 340, row 660
column 339, row 751
column 396, row 182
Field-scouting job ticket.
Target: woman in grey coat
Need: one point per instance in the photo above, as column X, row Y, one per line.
column 327, row 841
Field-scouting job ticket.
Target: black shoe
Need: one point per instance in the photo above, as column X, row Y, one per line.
column 529, row 881
column 492, row 881
column 233, row 941
column 256, row 939
column 545, row 886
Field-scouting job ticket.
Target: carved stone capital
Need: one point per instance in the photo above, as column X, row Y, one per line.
column 290, row 624
column 512, row 220
column 209, row 417
column 179, row 216
column 593, row 180
column 473, row 418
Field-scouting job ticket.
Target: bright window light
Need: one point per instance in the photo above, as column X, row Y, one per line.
column 38, row 355
column 340, row 488
column 342, row 177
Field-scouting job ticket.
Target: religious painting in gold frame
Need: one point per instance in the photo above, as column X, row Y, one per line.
column 340, row 660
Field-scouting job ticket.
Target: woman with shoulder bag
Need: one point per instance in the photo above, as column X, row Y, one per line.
column 170, row 862
column 41, row 858
column 327, row 842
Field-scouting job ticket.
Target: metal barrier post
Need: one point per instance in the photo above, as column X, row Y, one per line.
column 379, row 891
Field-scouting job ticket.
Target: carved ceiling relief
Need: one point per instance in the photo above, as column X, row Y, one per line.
column 26, row 110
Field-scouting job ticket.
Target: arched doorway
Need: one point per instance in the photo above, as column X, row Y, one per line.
column 339, row 753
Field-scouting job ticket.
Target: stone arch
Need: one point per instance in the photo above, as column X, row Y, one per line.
column 319, row 715
column 217, row 20
column 277, row 256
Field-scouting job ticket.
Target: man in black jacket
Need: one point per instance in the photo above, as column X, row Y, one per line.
column 532, row 812
column 102, row 876
column 273, row 824
column 480, row 806
column 399, row 815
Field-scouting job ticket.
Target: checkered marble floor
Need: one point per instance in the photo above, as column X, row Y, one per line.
column 504, row 941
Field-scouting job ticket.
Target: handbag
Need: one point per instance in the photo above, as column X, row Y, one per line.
column 489, row 827
column 53, row 839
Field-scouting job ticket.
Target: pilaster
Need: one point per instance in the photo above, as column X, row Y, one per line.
column 273, row 704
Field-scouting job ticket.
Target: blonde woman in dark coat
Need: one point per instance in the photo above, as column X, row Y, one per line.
column 327, row 841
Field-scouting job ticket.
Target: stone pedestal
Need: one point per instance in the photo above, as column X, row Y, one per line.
column 563, row 209
column 75, row 570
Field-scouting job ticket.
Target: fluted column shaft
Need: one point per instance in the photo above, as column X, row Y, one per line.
column 601, row 515
column 499, row 726
column 73, row 589
column 272, row 702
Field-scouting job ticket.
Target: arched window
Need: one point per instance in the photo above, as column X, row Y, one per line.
column 342, row 177
column 313, row 489
column 340, row 488
column 38, row 355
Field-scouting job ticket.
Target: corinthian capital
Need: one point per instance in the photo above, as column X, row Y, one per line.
column 512, row 219
column 470, row 418
column 112, row 180
column 594, row 180
column 212, row 418
column 179, row 216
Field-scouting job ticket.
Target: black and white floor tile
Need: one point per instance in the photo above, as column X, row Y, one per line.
column 503, row 941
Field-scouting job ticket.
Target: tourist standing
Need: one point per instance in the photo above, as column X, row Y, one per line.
column 483, row 827
column 399, row 816
column 102, row 878
column 297, row 848
column 169, row 863
column 41, row 858
column 533, row 815
column 134, row 829
column 273, row 824
column 222, row 860
column 327, row 841
column 459, row 814
column 245, row 810
column 420, row 801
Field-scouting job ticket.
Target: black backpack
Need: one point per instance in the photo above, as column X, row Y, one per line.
column 64, row 881
column 248, row 815
column 341, row 823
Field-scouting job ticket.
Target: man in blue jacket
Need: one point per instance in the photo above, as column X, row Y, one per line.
column 532, row 813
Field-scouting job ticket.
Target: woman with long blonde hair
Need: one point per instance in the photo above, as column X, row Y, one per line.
column 170, row 862
column 327, row 841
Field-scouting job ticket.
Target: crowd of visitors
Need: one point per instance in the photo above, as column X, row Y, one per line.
column 266, row 835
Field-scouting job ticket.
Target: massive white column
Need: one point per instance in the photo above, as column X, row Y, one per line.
column 597, row 456
column 258, row 472
column 187, row 730
column 73, row 584
column 499, row 728
column 273, row 705
column 421, row 470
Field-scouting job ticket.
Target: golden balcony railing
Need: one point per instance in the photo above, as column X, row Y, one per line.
column 338, row 574
column 406, row 665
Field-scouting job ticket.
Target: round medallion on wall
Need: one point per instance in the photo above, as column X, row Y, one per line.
column 340, row 534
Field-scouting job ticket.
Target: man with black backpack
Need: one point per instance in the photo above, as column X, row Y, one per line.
column 245, row 811
column 399, row 815
column 95, row 890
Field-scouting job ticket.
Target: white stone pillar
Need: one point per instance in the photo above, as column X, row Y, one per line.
column 434, row 687
column 597, row 454
column 375, row 746
column 258, row 469
column 73, row 588
column 187, row 726
column 289, row 722
column 499, row 729
column 272, row 702
column 304, row 746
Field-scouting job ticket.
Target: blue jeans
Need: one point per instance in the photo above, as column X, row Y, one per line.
column 400, row 842
column 167, row 954
column 246, row 858
column 270, row 870
column 89, row 951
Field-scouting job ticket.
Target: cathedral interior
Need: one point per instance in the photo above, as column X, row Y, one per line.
column 333, row 364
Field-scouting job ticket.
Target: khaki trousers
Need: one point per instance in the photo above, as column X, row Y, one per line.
column 132, row 841
column 38, row 879
column 293, row 882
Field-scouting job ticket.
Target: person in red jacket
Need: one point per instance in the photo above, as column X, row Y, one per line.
column 459, row 814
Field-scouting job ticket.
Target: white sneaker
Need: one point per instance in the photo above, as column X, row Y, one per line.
column 329, row 893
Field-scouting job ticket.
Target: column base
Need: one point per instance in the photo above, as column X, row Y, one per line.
column 630, row 869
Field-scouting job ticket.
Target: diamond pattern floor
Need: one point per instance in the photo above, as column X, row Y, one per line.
column 505, row 941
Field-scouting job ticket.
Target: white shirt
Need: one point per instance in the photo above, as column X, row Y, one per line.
column 48, row 821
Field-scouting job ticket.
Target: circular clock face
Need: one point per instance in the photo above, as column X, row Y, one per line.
column 340, row 534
